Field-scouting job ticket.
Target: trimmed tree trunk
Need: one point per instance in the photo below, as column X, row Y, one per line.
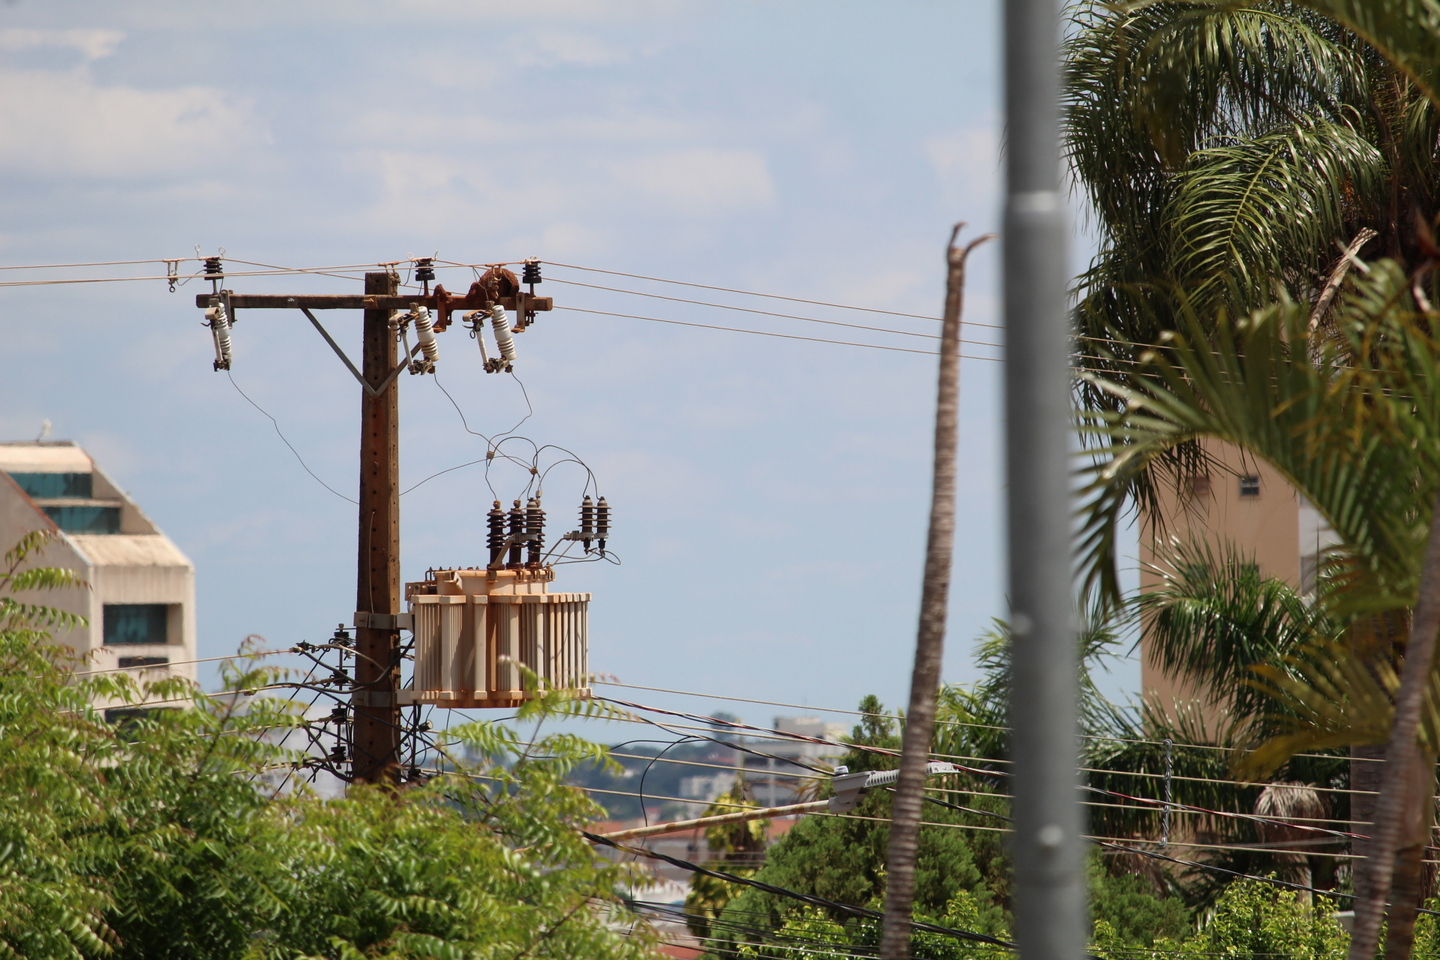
column 930, row 642
column 1394, row 808
column 1406, row 889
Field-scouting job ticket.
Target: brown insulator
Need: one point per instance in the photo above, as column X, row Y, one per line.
column 535, row 530
column 602, row 523
column 587, row 522
column 496, row 540
column 517, row 537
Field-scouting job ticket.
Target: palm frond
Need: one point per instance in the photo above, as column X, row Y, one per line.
column 1406, row 32
column 1214, row 616
column 1245, row 215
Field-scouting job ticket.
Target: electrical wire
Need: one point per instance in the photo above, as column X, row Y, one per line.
column 278, row 433
column 748, row 293
column 968, row 935
column 938, row 721
column 760, row 333
column 769, row 313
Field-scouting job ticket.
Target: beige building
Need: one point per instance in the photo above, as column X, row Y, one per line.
column 1243, row 501
column 140, row 595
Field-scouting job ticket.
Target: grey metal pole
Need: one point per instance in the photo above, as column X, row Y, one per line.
column 1050, row 921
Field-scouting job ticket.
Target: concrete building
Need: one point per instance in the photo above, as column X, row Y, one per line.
column 1247, row 503
column 140, row 595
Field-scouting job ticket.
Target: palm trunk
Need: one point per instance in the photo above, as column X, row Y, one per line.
column 1406, row 890
column 930, row 642
column 1401, row 753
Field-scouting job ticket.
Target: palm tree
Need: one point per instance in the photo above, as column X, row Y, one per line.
column 1229, row 149
column 1351, row 418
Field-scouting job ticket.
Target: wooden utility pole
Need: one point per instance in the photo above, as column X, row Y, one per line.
column 375, row 745
column 377, row 598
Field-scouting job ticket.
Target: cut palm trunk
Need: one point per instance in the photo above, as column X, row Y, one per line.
column 930, row 641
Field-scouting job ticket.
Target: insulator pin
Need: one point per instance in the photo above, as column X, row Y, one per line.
column 517, row 537
column 219, row 323
column 500, row 323
column 587, row 522
column 534, row 530
column 425, row 333
column 496, row 540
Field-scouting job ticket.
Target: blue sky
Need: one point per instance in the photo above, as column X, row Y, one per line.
column 769, row 494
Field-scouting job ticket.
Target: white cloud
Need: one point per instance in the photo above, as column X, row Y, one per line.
column 966, row 162
column 92, row 44
column 569, row 49
column 54, row 123
column 701, row 180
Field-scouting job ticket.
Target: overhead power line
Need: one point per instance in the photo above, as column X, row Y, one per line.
column 747, row 293
column 757, row 333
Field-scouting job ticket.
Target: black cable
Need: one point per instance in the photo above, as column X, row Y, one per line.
column 968, row 935
column 1160, row 856
column 640, row 792
column 287, row 443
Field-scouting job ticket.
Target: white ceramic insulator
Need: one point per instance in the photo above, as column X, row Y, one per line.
column 425, row 333
column 500, row 323
column 220, row 331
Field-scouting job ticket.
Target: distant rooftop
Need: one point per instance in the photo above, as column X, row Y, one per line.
column 44, row 456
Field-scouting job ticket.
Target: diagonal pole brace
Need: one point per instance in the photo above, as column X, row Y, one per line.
column 369, row 390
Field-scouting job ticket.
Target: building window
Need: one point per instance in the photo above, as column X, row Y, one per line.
column 132, row 623
column 1250, row 485
column 56, row 486
column 126, row 662
column 84, row 519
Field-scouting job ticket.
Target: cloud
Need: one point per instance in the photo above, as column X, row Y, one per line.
column 966, row 162
column 701, row 180
column 569, row 49
column 92, row 44
column 54, row 123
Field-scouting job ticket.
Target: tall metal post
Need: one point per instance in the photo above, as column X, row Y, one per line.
column 377, row 600
column 1049, row 890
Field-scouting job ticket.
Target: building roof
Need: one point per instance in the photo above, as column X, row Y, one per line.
column 122, row 550
column 44, row 456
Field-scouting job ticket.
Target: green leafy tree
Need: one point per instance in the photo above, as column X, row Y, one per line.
column 156, row 840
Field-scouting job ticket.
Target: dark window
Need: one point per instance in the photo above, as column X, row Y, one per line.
column 50, row 486
column 129, row 623
column 1250, row 485
column 143, row 662
column 85, row 519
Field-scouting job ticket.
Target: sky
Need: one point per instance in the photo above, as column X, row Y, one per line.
column 769, row 494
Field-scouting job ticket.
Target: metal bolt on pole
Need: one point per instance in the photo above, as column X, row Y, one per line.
column 1049, row 885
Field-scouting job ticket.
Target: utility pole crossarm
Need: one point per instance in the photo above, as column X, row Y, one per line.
column 357, row 301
